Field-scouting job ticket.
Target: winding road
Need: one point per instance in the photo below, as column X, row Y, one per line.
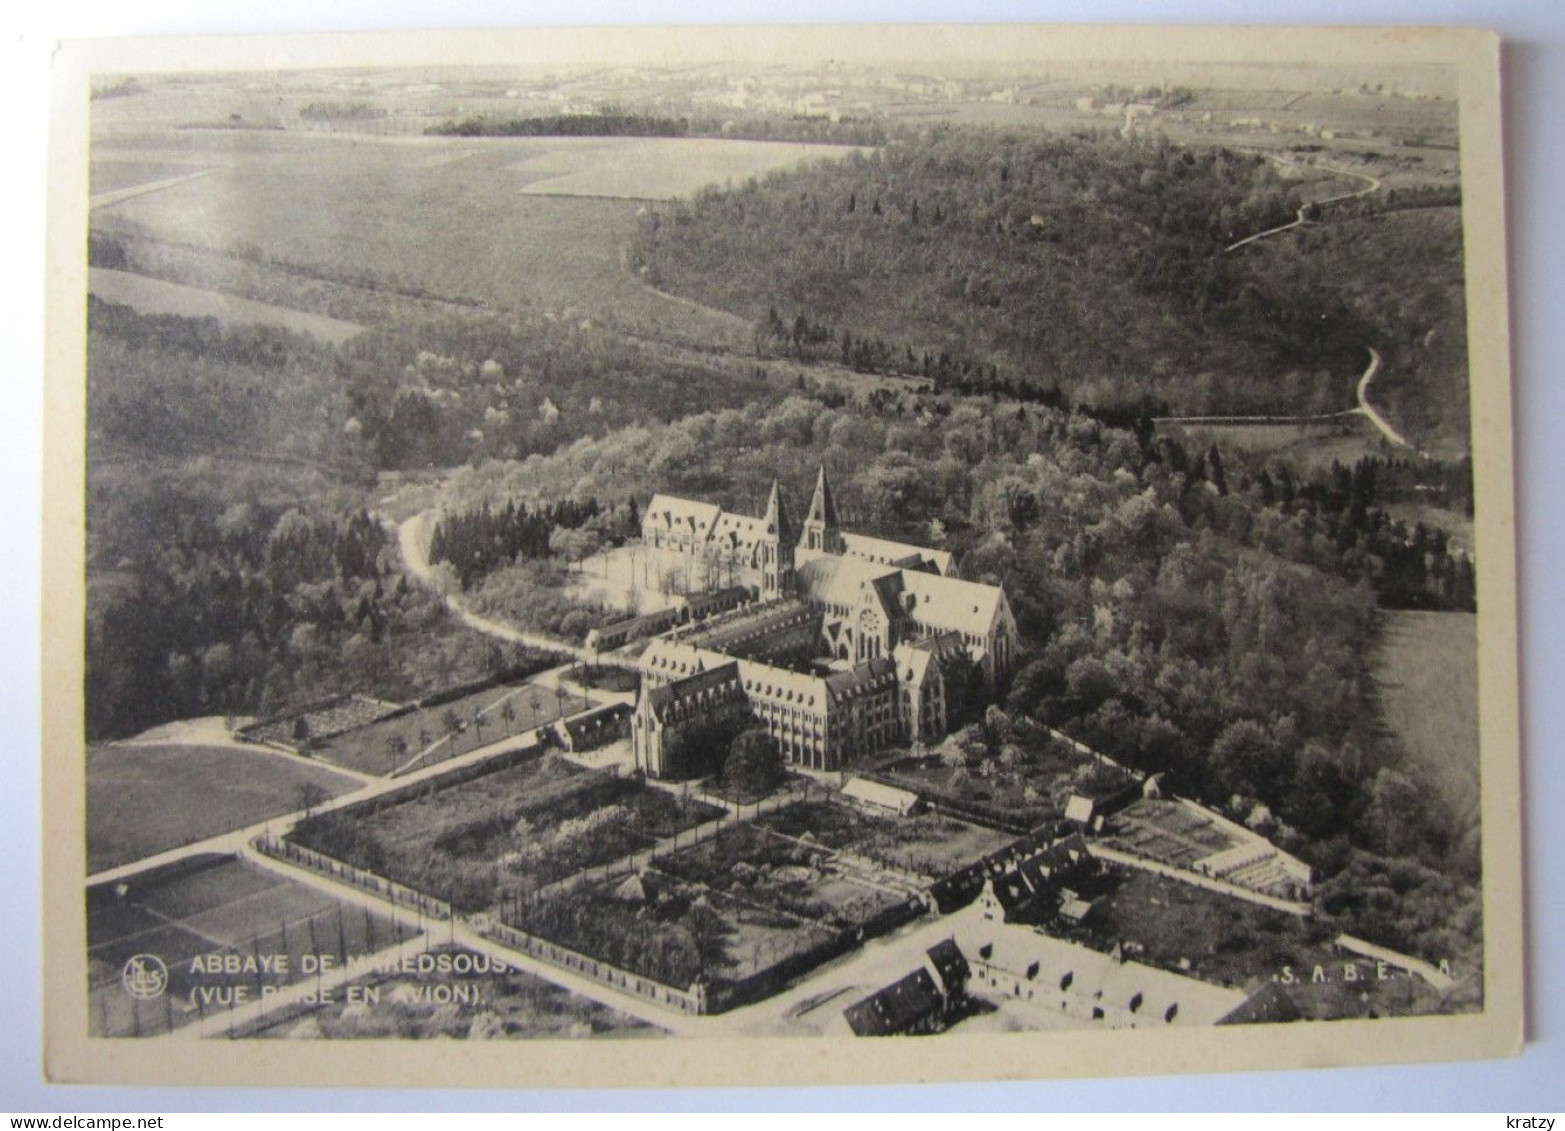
column 1363, row 408
column 1373, row 185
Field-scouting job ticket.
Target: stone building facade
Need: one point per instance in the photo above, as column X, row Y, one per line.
column 853, row 643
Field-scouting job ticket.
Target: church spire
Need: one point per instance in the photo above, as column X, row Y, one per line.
column 778, row 524
column 820, row 527
column 823, row 508
column 777, row 548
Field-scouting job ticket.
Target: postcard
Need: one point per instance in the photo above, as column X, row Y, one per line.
column 769, row 555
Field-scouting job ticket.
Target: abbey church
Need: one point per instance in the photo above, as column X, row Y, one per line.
column 849, row 645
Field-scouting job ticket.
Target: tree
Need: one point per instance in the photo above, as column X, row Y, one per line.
column 710, row 933
column 1247, row 761
column 309, row 795
column 1394, row 820
column 754, row 766
column 508, row 715
column 397, row 747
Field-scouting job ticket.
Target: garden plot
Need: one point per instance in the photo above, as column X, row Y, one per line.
column 513, row 830
column 926, row 846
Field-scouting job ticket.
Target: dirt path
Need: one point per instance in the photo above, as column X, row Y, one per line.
column 412, row 537
column 1301, row 219
column 105, row 199
column 1363, row 408
column 1368, row 410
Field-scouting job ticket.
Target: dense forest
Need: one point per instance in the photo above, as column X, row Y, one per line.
column 614, row 122
column 475, row 543
column 1090, row 266
column 234, row 608
column 232, row 567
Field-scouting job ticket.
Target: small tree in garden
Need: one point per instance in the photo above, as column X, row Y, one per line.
column 754, row 765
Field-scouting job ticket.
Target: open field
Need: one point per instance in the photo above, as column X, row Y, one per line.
column 211, row 905
column 479, row 718
column 488, row 1005
column 513, row 231
column 1427, row 674
column 1307, row 446
column 158, row 296
column 115, row 175
column 661, row 168
column 515, row 829
column 927, row 844
column 145, row 799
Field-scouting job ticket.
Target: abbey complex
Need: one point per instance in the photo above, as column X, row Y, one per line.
column 841, row 644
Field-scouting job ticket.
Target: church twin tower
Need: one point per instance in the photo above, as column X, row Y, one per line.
column 820, row 535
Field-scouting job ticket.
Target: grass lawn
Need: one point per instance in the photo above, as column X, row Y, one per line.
column 205, row 905
column 1426, row 670
column 145, row 799
column 382, row 747
column 1225, row 940
column 1308, row 446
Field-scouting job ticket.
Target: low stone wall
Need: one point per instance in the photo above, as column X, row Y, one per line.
column 693, row 1001
column 399, row 895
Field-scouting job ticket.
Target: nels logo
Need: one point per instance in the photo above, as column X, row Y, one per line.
column 144, row 977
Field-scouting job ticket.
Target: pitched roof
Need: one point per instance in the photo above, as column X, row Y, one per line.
column 687, row 514
column 777, row 521
column 879, row 793
column 886, row 552
column 897, row 1008
column 950, row 964
column 953, row 604
column 660, row 699
column 869, row 676
column 584, row 726
column 836, row 580
column 1160, row 996
column 1269, row 1004
column 1079, row 808
column 823, row 505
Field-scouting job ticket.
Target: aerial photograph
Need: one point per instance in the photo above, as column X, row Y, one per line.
column 840, row 547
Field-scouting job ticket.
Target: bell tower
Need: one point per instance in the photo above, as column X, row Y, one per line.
column 777, row 542
column 821, row 534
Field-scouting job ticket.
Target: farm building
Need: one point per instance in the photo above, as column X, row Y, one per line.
column 925, row 1001
column 879, row 797
column 1041, row 885
column 1029, row 971
column 595, row 728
